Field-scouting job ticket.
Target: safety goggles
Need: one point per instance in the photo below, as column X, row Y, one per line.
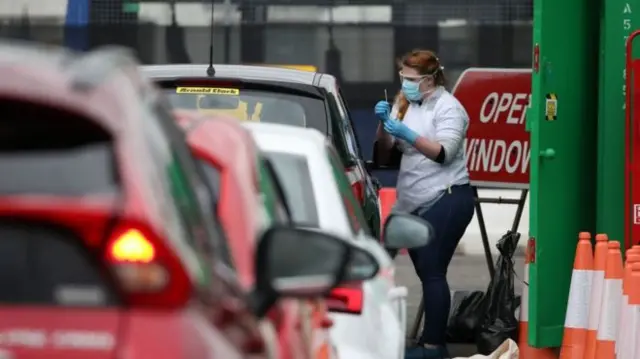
column 412, row 78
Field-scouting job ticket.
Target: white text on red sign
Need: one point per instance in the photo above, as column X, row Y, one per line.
column 508, row 106
column 487, row 155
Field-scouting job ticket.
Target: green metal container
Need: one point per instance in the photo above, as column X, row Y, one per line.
column 564, row 154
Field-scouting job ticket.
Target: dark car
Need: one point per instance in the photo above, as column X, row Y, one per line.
column 276, row 95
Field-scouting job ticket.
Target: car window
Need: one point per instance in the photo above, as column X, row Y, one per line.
column 82, row 170
column 274, row 206
column 251, row 105
column 212, row 175
column 345, row 126
column 338, row 136
column 293, row 172
column 353, row 139
column 46, row 265
column 78, row 160
column 351, row 206
column 191, row 197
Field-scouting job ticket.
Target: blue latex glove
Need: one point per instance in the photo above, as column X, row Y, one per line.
column 383, row 110
column 399, row 130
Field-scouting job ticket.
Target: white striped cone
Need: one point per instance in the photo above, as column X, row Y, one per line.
column 633, row 256
column 609, row 315
column 625, row 314
column 595, row 303
column 576, row 321
column 608, row 326
column 632, row 344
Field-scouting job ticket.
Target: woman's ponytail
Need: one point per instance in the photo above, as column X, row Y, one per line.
column 402, row 104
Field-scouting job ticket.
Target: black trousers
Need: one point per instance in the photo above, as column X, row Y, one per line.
column 449, row 216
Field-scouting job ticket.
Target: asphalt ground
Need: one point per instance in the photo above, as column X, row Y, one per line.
column 466, row 272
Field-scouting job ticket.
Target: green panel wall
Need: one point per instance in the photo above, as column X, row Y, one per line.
column 563, row 155
column 618, row 19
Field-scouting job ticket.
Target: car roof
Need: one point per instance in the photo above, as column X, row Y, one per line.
column 247, row 72
column 219, row 136
column 311, row 144
column 300, row 140
column 102, row 86
column 88, row 84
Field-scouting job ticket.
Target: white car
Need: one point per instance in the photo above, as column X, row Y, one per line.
column 369, row 317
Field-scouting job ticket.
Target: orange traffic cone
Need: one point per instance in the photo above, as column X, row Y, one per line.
column 633, row 256
column 576, row 321
column 526, row 351
column 611, row 299
column 632, row 345
column 595, row 303
column 387, row 198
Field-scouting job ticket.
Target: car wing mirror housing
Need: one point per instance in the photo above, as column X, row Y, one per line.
column 297, row 263
column 362, row 266
column 406, row 231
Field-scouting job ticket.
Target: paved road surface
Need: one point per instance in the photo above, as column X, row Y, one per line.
column 465, row 273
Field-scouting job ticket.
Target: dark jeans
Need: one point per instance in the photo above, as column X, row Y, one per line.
column 449, row 216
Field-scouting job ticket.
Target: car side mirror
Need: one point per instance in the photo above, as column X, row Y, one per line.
column 406, row 231
column 370, row 166
column 362, row 266
column 298, row 263
column 373, row 166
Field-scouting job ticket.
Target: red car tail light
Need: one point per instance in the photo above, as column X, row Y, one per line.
column 146, row 270
column 205, row 82
column 347, row 299
column 357, row 183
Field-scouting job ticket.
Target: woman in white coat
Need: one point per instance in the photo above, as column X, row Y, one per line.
column 428, row 125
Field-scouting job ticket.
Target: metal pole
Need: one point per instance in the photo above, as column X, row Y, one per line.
column 483, row 233
column 227, row 31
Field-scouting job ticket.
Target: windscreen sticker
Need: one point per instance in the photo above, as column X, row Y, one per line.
column 208, row 91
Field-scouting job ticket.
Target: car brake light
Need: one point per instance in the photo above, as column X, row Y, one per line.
column 346, row 299
column 132, row 246
column 209, row 82
column 357, row 184
column 147, row 272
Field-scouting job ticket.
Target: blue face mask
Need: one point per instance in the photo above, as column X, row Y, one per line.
column 411, row 90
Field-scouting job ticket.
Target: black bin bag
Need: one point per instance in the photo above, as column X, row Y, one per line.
column 499, row 322
column 468, row 310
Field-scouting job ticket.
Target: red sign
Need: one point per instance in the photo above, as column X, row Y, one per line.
column 497, row 145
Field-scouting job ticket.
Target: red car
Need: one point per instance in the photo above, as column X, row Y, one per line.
column 109, row 246
column 249, row 200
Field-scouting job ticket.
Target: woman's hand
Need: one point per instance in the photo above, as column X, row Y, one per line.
column 383, row 110
column 399, row 130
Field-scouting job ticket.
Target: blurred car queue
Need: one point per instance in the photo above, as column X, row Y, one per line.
column 145, row 214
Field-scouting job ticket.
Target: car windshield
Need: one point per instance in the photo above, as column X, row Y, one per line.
column 293, row 173
column 251, row 105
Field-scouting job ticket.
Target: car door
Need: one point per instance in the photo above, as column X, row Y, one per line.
column 183, row 219
column 313, row 313
column 370, row 206
column 293, row 329
column 223, row 300
column 381, row 311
